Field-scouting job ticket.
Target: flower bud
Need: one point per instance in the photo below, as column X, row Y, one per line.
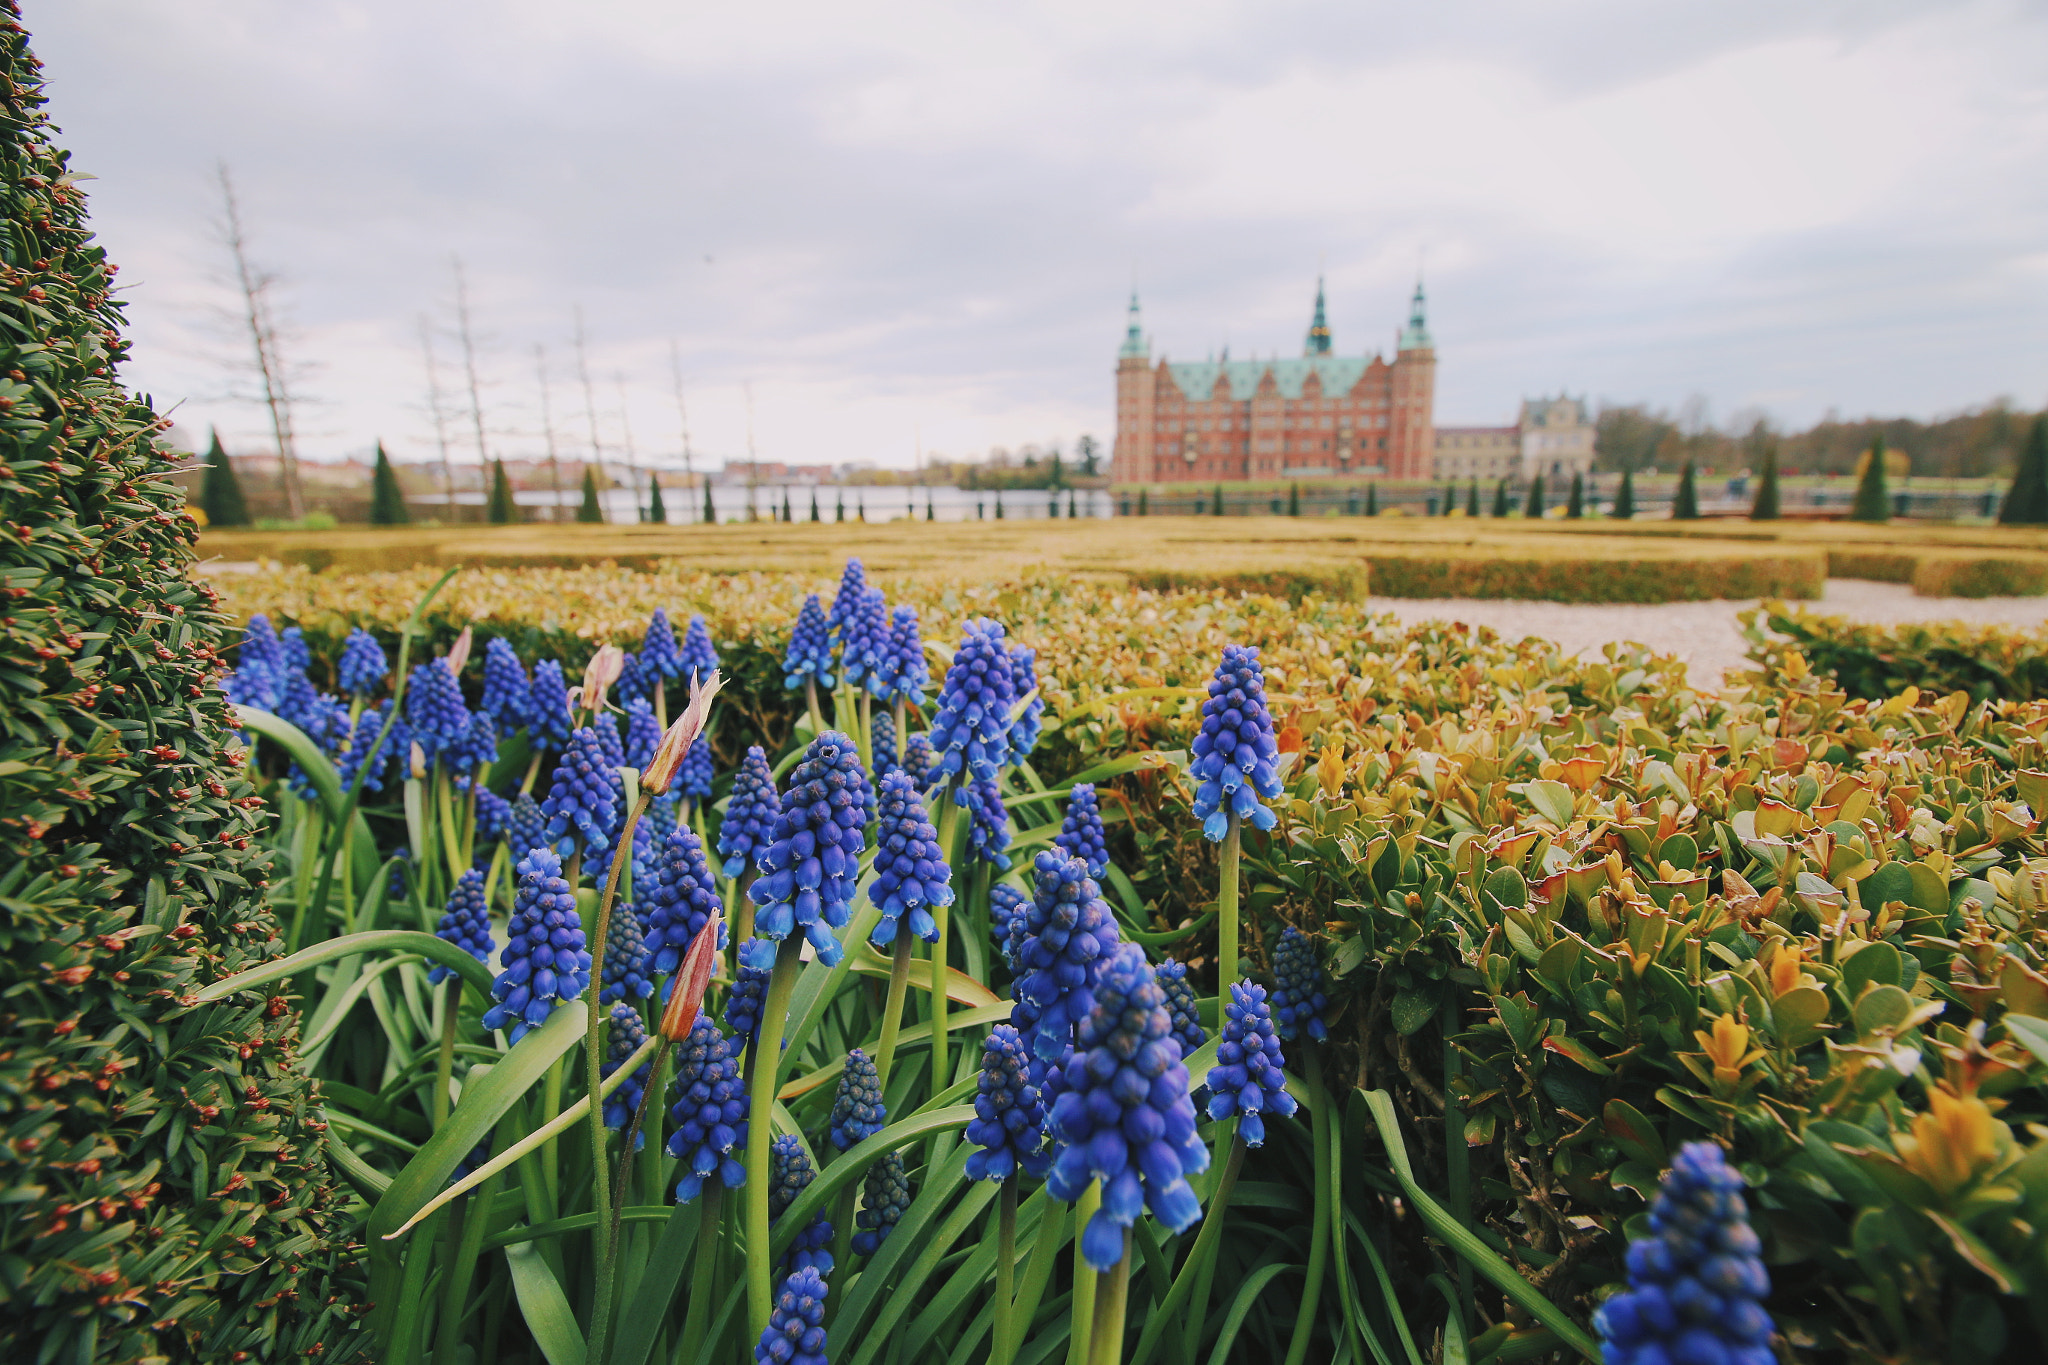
column 600, row 673
column 682, row 733
column 458, row 653
column 692, row 979
column 419, row 760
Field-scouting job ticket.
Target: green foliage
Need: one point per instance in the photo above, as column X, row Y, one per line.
column 1472, row 500
column 1575, row 504
column 220, row 490
column 657, row 510
column 2026, row 502
column 1873, row 502
column 1372, row 499
column 1534, row 508
column 1500, row 499
column 1144, row 502
column 387, row 500
column 1765, row 508
column 1686, row 505
column 1865, row 661
column 1625, row 500
column 1216, row 501
column 1565, row 576
column 1450, row 499
column 166, row 1166
column 502, row 511
column 591, row 511
column 1294, row 500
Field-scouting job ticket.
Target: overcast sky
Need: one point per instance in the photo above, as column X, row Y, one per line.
column 917, row 224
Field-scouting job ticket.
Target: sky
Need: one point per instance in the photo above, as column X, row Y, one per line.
column 878, row 231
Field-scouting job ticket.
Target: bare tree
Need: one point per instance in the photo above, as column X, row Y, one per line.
column 258, row 315
column 590, row 412
column 547, row 427
column 675, row 369
column 632, row 463
column 437, row 412
column 476, row 406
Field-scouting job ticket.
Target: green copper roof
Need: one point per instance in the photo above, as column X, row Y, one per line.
column 1319, row 329
column 1415, row 336
column 1134, row 335
column 1197, row 378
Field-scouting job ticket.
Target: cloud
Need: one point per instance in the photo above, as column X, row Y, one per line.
column 914, row 224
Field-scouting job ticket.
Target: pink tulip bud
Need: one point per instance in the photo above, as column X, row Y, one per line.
column 600, row 673
column 458, row 653
column 681, row 734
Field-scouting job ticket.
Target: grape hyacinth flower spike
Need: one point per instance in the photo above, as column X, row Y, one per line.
column 625, row 1033
column 693, row 779
column 680, row 899
column 743, row 1002
column 795, row 1334
column 547, row 707
column 882, row 738
column 971, row 728
column 1298, row 1000
column 1068, row 937
column 857, row 1109
column 582, row 805
column 362, row 664
column 529, row 829
column 1247, row 1080
column 790, row 1173
column 1008, row 1128
column 659, row 656
column 508, row 692
column 466, row 923
column 911, row 875
column 710, row 1112
column 1007, row 916
column 1180, row 1005
column 1125, row 1116
column 863, row 640
column 1696, row 1284
column 885, row 1195
column 809, row 660
column 1024, row 683
column 544, row 962
column 259, row 666
column 920, row 761
column 988, row 831
column 434, row 713
column 699, row 658
column 626, row 968
column 811, row 867
column 847, row 602
column 1081, row 833
column 1233, row 756
column 643, row 733
column 750, row 813
column 906, row 672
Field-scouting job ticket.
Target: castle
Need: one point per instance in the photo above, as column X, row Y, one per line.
column 1320, row 416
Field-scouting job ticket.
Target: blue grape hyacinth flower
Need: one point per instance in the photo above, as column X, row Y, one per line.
column 905, row 671
column 493, row 817
column 857, row 1109
column 293, row 651
column 743, row 1003
column 1068, row 936
column 584, row 799
column 1008, row 1128
column 921, row 761
column 476, row 751
column 699, row 657
column 750, row 812
column 1697, row 1283
column 1233, row 756
column 626, row 971
column 624, row 1034
column 988, row 829
column 885, row 1194
column 971, row 728
column 508, row 692
column 659, row 655
column 548, row 719
column 1180, row 1005
column 466, row 923
column 1008, row 914
column 911, row 875
column 608, row 738
column 529, row 829
column 1125, row 1116
column 790, row 1173
column 261, row 651
column 694, row 777
column 636, row 683
column 643, row 733
column 847, row 602
column 369, row 726
column 1248, row 1080
column 710, row 1112
column 362, row 664
column 1023, row 682
column 679, row 899
column 795, row 1334
column 1081, row 832
column 863, row 638
column 434, row 713
column 544, row 962
column 810, row 649
column 810, row 869
column 1298, row 999
column 882, row 742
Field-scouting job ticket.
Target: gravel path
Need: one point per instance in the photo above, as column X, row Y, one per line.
column 1705, row 634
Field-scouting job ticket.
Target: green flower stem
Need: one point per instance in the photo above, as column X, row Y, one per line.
column 1195, row 1272
column 761, row 1128
column 892, row 1009
column 661, row 702
column 811, row 704
column 1457, row 1156
column 452, row 848
column 593, row 1077
column 902, row 735
column 550, row 1107
column 1226, row 921
column 1000, row 1346
column 1319, row 1234
column 952, row 835
column 1081, row 1326
column 866, row 737
column 462, row 1266
column 1112, row 1295
column 1045, row 1250
column 444, row 1066
column 703, row 1274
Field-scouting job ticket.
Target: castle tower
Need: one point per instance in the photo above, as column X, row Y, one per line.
column 1412, row 438
column 1131, row 459
column 1319, row 328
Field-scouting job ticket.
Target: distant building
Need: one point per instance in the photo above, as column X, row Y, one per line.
column 1551, row 436
column 1321, row 416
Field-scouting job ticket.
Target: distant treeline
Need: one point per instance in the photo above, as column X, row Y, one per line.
column 1974, row 444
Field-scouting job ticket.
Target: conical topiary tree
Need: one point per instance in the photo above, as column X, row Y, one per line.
column 502, row 510
column 170, row 1196
column 1873, row 501
column 1294, row 500
column 220, row 490
column 1216, row 506
column 710, row 507
column 839, row 512
column 1765, row 508
column 786, row 517
column 1372, row 499
column 1450, row 497
column 999, row 505
column 2026, row 502
column 1144, row 503
column 1625, row 497
column 591, row 510
column 1472, row 500
column 1500, row 499
column 1575, row 505
column 657, row 510
column 1535, row 506
column 387, row 499
column 1686, row 506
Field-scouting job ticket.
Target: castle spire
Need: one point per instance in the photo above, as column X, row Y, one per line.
column 1415, row 337
column 1318, row 329
column 1134, row 346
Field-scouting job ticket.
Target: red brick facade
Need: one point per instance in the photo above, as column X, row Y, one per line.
column 1321, row 416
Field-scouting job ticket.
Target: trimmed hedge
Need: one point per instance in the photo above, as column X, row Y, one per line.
column 1946, row 573
column 1565, row 577
column 1875, row 662
column 164, row 1191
